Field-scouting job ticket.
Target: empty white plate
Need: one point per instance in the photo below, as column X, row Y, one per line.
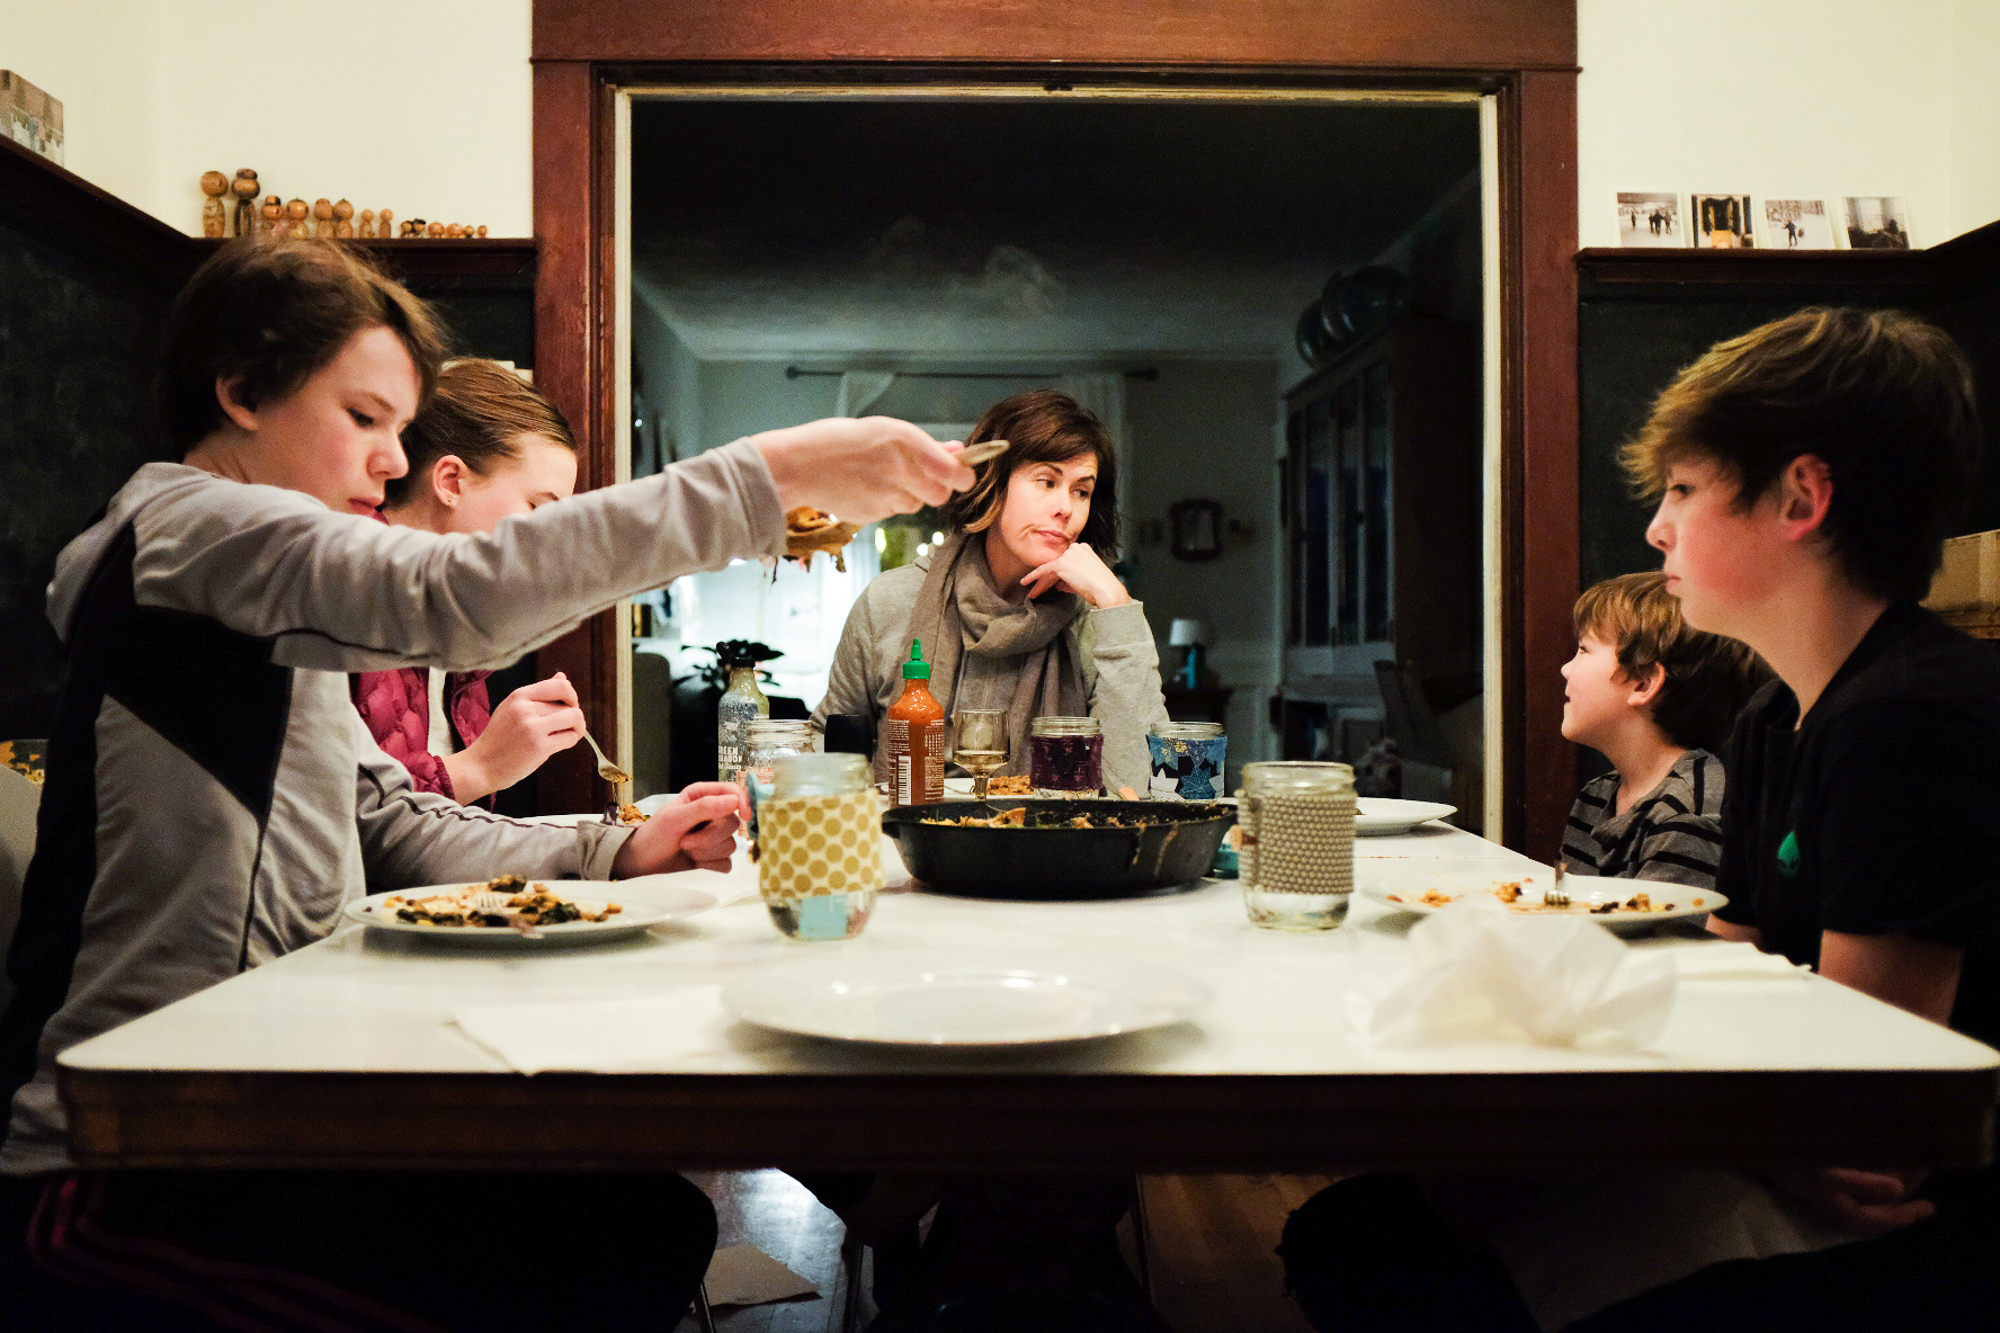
column 1380, row 816
column 925, row 999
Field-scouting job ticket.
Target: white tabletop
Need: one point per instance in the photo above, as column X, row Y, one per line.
column 368, row 1003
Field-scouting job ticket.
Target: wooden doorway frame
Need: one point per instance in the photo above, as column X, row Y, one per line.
column 1521, row 51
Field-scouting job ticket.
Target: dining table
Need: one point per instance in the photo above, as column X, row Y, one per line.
column 357, row 1053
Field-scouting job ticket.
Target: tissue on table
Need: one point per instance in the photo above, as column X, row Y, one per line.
column 1476, row 971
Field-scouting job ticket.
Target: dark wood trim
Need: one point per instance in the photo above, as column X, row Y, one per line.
column 1096, row 1122
column 418, row 260
column 1607, row 271
column 584, row 50
column 1538, row 156
column 575, row 310
column 1497, row 35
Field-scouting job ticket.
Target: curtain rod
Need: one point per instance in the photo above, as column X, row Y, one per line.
column 1146, row 373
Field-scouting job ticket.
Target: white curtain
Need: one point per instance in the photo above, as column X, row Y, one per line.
column 1103, row 392
column 860, row 390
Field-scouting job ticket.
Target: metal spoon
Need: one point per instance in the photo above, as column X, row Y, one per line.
column 607, row 770
column 983, row 452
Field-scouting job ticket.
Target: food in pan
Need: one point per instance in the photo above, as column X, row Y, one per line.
column 810, row 531
column 532, row 904
column 1010, row 784
column 1018, row 818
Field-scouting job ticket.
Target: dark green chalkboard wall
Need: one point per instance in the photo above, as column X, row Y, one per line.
column 85, row 283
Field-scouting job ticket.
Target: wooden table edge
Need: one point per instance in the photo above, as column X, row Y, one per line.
column 1126, row 1122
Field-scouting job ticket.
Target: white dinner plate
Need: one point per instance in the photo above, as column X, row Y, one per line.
column 1380, row 816
column 945, row 1000
column 644, row 908
column 1671, row 902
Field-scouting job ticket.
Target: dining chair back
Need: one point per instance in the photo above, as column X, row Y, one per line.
column 20, row 799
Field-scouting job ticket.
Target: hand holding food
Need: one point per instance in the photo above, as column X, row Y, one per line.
column 1079, row 570
column 696, row 830
column 861, row 469
column 530, row 724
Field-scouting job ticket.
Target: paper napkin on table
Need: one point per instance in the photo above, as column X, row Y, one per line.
column 598, row 1036
column 745, row 1275
column 1476, row 971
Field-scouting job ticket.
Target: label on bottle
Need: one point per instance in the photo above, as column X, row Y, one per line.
column 915, row 752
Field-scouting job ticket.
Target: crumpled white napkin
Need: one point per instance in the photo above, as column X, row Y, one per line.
column 599, row 1036
column 1476, row 971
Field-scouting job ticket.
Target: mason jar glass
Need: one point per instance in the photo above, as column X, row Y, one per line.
column 819, row 852
column 1187, row 760
column 1298, row 844
column 1066, row 756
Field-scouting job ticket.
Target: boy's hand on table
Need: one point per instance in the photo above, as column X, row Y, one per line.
column 1867, row 1203
column 696, row 830
column 861, row 469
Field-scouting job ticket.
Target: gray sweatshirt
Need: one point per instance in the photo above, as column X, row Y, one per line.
column 1121, row 666
column 213, row 800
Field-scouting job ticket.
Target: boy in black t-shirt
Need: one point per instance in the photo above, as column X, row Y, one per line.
column 1808, row 472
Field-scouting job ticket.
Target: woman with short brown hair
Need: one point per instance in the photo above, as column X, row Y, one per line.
column 1018, row 608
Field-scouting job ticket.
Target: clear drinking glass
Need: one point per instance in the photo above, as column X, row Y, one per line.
column 819, row 852
column 979, row 744
column 1298, row 844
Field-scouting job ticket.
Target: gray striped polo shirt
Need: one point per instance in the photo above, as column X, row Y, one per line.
column 1672, row 833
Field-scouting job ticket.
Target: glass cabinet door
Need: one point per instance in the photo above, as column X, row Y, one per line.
column 1378, row 541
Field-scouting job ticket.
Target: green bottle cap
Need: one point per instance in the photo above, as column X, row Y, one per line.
column 916, row 668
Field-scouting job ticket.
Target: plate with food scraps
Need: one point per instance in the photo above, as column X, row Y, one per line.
column 909, row 999
column 1621, row 904
column 559, row 912
column 1383, row 816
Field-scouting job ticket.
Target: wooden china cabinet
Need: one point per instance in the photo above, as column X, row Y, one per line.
column 1381, row 510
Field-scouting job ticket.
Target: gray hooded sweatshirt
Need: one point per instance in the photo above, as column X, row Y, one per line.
column 213, row 800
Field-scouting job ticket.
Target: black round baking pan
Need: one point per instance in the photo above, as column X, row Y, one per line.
column 1127, row 849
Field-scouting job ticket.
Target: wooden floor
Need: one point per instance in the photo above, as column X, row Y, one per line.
column 1210, row 1242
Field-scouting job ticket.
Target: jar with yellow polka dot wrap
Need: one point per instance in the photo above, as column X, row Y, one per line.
column 819, row 846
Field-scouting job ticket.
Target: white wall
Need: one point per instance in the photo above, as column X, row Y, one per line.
column 1786, row 100
column 100, row 59
column 420, row 105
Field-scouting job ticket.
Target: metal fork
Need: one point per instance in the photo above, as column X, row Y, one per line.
column 1557, row 896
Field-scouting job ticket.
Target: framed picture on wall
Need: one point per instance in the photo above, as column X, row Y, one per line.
column 1650, row 219
column 1876, row 222
column 1796, row 224
column 1721, row 221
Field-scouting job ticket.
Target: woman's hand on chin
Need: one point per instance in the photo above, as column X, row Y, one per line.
column 1081, row 571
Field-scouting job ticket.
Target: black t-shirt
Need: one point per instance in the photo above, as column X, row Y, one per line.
column 1881, row 815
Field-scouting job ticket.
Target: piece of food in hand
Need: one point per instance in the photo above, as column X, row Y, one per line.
column 624, row 813
column 809, row 531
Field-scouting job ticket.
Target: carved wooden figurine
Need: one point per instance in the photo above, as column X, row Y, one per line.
column 435, row 230
column 454, row 230
column 244, row 220
column 343, row 220
column 273, row 214
column 296, row 213
column 384, row 218
column 482, row 231
column 366, row 227
column 323, row 218
column 214, row 218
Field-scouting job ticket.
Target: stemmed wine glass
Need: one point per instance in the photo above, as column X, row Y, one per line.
column 980, row 745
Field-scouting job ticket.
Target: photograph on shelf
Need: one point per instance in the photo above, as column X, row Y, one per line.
column 1797, row 224
column 1876, row 222
column 1722, row 221
column 1650, row 219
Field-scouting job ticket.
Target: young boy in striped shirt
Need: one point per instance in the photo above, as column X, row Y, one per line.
column 1656, row 698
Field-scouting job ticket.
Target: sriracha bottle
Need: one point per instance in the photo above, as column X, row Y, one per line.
column 913, row 737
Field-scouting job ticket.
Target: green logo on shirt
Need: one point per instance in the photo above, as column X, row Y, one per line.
column 1788, row 854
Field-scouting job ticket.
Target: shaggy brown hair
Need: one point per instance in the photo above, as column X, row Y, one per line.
column 1708, row 677
column 269, row 314
column 1883, row 397
column 1041, row 426
column 478, row 412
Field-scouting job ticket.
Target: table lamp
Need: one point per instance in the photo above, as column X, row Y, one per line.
column 1191, row 635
